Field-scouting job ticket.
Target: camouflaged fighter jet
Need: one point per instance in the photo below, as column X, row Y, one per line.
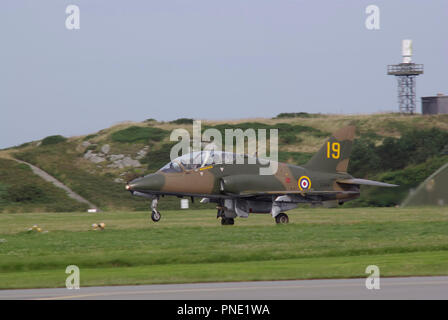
column 239, row 189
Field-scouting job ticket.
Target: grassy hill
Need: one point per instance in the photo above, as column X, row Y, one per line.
column 23, row 191
column 389, row 147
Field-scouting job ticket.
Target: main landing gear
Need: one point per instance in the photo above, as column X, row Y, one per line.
column 225, row 221
column 282, row 218
column 155, row 215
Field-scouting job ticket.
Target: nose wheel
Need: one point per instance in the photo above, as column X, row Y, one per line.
column 155, row 215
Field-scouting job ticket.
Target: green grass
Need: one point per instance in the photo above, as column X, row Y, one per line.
column 191, row 246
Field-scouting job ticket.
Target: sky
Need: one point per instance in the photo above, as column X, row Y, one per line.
column 206, row 59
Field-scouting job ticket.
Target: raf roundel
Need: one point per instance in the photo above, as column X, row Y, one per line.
column 304, row 183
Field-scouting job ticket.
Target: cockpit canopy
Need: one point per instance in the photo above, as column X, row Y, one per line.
column 200, row 159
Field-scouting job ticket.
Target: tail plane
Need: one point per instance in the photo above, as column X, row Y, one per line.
column 335, row 153
column 334, row 156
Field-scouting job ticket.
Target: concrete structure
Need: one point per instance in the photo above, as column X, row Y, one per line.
column 435, row 105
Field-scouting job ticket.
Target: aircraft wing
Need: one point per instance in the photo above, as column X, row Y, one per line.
column 366, row 182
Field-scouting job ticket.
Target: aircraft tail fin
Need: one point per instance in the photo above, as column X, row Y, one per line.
column 335, row 153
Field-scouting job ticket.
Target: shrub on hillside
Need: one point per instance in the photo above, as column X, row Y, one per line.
column 158, row 158
column 23, row 145
column 289, row 138
column 297, row 158
column 364, row 158
column 90, row 136
column 182, row 121
column 3, row 194
column 91, row 147
column 286, row 115
column 25, row 193
column 53, row 140
column 139, row 134
column 414, row 147
column 287, row 132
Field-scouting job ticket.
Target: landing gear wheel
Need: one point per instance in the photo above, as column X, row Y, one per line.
column 282, row 218
column 155, row 216
column 227, row 221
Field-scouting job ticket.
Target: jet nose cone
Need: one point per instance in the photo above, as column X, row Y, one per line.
column 152, row 182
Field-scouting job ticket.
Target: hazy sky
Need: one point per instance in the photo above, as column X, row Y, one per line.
column 206, row 59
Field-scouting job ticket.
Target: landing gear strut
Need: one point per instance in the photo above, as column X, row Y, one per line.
column 220, row 213
column 155, row 215
column 282, row 218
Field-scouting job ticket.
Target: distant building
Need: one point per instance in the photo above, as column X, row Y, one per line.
column 435, row 105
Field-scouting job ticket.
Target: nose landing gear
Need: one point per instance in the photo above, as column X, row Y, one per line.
column 155, row 215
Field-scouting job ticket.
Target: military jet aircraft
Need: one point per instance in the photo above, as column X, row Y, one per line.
column 239, row 189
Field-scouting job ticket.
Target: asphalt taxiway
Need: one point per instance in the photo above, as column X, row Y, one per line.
column 390, row 288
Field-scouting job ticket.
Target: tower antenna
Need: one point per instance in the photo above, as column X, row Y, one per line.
column 406, row 72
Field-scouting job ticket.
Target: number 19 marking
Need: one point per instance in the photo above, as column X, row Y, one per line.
column 333, row 150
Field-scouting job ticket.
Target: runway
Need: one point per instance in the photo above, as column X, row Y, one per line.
column 390, row 288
